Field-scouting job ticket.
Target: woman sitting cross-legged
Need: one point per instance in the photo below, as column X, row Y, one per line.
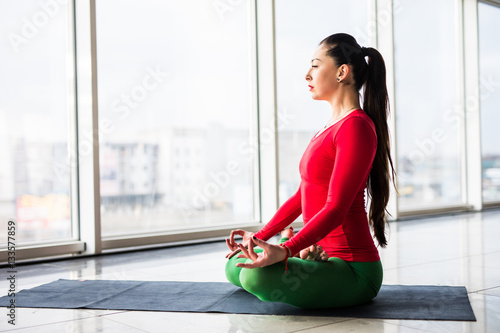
column 339, row 265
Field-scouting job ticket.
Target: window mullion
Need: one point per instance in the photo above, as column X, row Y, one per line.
column 87, row 157
column 267, row 105
column 385, row 45
column 472, row 118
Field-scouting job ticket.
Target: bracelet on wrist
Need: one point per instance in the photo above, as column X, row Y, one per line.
column 288, row 255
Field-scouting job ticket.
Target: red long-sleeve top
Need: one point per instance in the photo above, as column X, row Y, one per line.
column 334, row 172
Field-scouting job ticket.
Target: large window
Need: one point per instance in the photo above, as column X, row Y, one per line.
column 300, row 26
column 428, row 111
column 36, row 120
column 176, row 114
column 489, row 74
column 179, row 90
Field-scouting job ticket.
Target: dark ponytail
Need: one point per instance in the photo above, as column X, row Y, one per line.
column 344, row 49
column 376, row 105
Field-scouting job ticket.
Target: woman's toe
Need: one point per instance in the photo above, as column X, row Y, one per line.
column 304, row 254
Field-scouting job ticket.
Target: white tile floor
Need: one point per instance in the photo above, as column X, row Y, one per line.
column 461, row 249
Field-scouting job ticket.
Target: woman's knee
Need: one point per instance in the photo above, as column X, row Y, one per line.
column 253, row 279
column 233, row 272
column 264, row 282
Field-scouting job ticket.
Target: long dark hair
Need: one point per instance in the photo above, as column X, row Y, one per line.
column 344, row 49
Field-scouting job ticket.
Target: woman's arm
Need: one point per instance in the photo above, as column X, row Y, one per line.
column 286, row 214
column 356, row 145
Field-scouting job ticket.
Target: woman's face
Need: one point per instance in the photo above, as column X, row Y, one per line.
column 322, row 76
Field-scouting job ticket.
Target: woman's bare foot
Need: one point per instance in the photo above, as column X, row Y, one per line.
column 288, row 233
column 314, row 253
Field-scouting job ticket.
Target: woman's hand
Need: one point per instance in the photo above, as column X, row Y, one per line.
column 271, row 254
column 233, row 246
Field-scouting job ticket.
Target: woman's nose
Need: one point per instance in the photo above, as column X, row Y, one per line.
column 308, row 76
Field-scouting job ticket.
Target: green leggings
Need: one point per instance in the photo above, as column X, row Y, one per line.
column 309, row 284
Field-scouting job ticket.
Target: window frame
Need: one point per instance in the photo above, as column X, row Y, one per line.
column 194, row 235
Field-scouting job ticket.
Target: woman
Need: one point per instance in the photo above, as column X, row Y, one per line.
column 351, row 153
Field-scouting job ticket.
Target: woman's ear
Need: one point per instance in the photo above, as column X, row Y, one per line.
column 342, row 72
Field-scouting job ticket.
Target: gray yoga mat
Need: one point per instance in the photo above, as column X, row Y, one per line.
column 392, row 302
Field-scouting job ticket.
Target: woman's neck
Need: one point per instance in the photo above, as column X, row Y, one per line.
column 344, row 102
